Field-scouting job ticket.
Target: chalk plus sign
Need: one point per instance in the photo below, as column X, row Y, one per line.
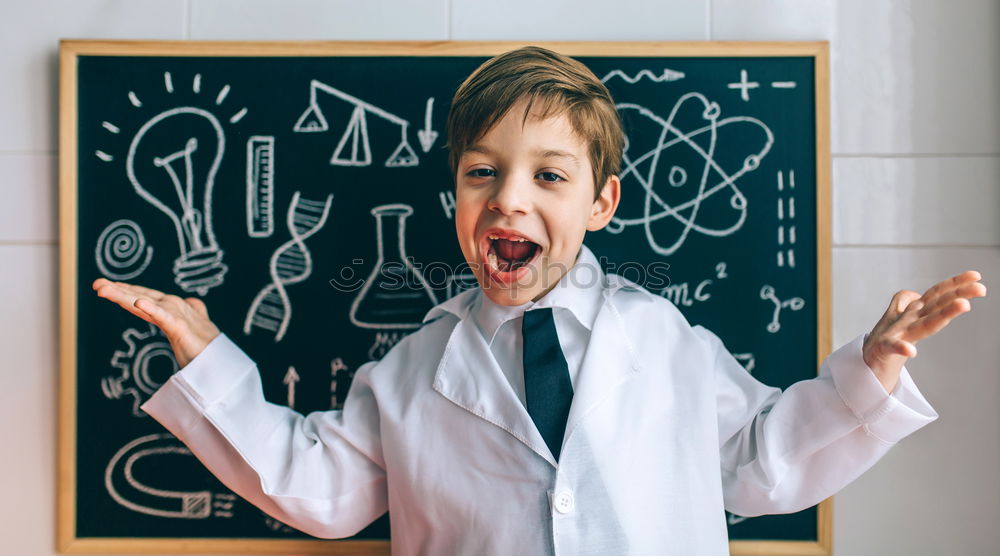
column 744, row 85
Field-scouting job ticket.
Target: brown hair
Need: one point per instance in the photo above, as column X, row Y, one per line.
column 558, row 83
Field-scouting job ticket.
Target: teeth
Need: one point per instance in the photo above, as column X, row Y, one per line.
column 517, row 239
column 492, row 259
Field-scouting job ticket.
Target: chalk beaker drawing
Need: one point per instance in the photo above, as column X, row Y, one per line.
column 395, row 295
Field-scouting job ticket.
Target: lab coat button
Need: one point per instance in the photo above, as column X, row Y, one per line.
column 564, row 502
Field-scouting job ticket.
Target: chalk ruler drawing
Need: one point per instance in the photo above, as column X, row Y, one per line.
column 121, row 252
column 290, row 264
column 146, row 363
column 355, row 138
column 127, row 490
column 694, row 185
column 179, row 182
column 767, row 293
column 786, row 212
column 260, row 186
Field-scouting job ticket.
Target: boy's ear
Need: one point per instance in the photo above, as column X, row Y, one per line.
column 605, row 204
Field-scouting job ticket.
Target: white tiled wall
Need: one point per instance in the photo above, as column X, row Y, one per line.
column 916, row 141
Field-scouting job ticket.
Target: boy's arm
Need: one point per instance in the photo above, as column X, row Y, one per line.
column 321, row 473
column 782, row 452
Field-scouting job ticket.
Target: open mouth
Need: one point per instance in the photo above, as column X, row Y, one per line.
column 507, row 253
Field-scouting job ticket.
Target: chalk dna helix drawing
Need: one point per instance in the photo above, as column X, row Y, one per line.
column 291, row 263
column 172, row 162
column 121, row 252
column 132, row 490
column 674, row 189
column 144, row 365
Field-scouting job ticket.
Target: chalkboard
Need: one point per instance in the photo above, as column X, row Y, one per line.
column 276, row 180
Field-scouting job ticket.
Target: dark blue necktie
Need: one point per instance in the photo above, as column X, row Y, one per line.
column 548, row 390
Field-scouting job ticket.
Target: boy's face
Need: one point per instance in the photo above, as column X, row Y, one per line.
column 524, row 199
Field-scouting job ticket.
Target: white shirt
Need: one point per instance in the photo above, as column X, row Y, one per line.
column 666, row 430
column 575, row 301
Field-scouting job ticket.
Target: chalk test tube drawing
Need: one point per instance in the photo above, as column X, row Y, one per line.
column 290, row 264
column 121, row 252
column 768, row 293
column 144, row 366
column 786, row 211
column 395, row 295
column 733, row 519
column 666, row 76
column 260, row 186
column 670, row 215
column 355, row 138
column 127, row 488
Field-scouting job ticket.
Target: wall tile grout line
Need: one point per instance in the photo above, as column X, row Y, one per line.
column 915, row 155
column 708, row 20
column 915, row 246
column 451, row 7
column 186, row 20
column 18, row 152
column 28, row 243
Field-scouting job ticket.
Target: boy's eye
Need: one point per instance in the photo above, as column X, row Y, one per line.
column 549, row 176
column 481, row 173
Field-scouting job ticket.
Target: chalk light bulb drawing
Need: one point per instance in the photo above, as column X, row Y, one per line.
column 172, row 162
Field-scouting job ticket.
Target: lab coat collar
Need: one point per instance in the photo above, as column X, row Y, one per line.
column 470, row 377
column 579, row 290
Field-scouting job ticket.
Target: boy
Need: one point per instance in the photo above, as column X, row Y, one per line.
column 554, row 409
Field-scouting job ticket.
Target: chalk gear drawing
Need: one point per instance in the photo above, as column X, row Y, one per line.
column 145, row 364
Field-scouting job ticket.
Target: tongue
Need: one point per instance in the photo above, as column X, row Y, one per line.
column 514, row 250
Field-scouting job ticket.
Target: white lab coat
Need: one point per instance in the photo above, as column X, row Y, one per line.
column 666, row 429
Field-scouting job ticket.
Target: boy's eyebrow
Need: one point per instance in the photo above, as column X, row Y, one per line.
column 541, row 153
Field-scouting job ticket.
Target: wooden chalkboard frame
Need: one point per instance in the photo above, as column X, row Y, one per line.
column 70, row 50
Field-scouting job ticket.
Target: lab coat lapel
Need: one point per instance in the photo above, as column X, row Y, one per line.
column 470, row 377
column 609, row 362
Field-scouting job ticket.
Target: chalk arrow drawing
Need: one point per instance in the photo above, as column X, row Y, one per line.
column 291, row 378
column 427, row 135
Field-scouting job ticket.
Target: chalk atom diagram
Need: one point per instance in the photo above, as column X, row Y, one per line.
column 354, row 147
column 679, row 172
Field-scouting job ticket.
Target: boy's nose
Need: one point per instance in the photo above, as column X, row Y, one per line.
column 511, row 196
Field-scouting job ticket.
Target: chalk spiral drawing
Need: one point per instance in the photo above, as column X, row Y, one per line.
column 355, row 138
column 121, row 251
column 145, row 365
column 696, row 185
column 179, row 182
column 290, row 264
column 125, row 487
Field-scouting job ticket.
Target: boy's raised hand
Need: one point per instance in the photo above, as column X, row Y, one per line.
column 911, row 317
column 184, row 321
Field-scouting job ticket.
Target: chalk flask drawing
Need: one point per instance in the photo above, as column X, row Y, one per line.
column 395, row 295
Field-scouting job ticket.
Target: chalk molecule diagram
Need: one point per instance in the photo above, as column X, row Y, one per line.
column 673, row 187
